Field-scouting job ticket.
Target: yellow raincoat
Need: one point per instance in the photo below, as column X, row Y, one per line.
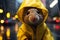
column 25, row 31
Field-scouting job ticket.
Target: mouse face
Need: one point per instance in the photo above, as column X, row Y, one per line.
column 33, row 16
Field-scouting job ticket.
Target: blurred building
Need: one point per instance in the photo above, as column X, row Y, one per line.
column 59, row 6
column 54, row 10
column 7, row 6
column 10, row 6
column 3, row 7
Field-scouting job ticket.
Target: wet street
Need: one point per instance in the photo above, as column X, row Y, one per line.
column 55, row 28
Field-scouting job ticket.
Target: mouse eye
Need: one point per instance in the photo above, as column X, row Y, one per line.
column 28, row 13
column 38, row 12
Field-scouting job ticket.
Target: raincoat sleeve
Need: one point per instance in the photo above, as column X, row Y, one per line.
column 48, row 35
column 20, row 35
column 23, row 34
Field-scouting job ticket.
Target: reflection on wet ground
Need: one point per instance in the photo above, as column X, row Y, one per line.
column 55, row 28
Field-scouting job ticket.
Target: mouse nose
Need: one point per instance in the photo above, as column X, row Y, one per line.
column 34, row 19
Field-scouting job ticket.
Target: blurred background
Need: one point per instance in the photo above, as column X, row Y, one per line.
column 9, row 22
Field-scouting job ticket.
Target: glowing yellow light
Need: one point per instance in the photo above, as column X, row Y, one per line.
column 2, row 29
column 8, row 15
column 16, row 16
column 1, row 38
column 54, row 18
column 16, row 27
column 2, row 21
column 8, row 32
column 1, row 10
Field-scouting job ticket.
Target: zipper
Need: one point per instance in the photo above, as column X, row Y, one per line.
column 34, row 30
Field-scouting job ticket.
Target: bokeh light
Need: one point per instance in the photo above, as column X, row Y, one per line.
column 2, row 21
column 8, row 15
column 1, row 10
column 16, row 16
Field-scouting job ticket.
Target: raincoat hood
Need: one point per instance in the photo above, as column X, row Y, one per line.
column 26, row 31
column 31, row 3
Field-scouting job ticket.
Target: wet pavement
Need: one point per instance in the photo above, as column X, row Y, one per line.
column 55, row 29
